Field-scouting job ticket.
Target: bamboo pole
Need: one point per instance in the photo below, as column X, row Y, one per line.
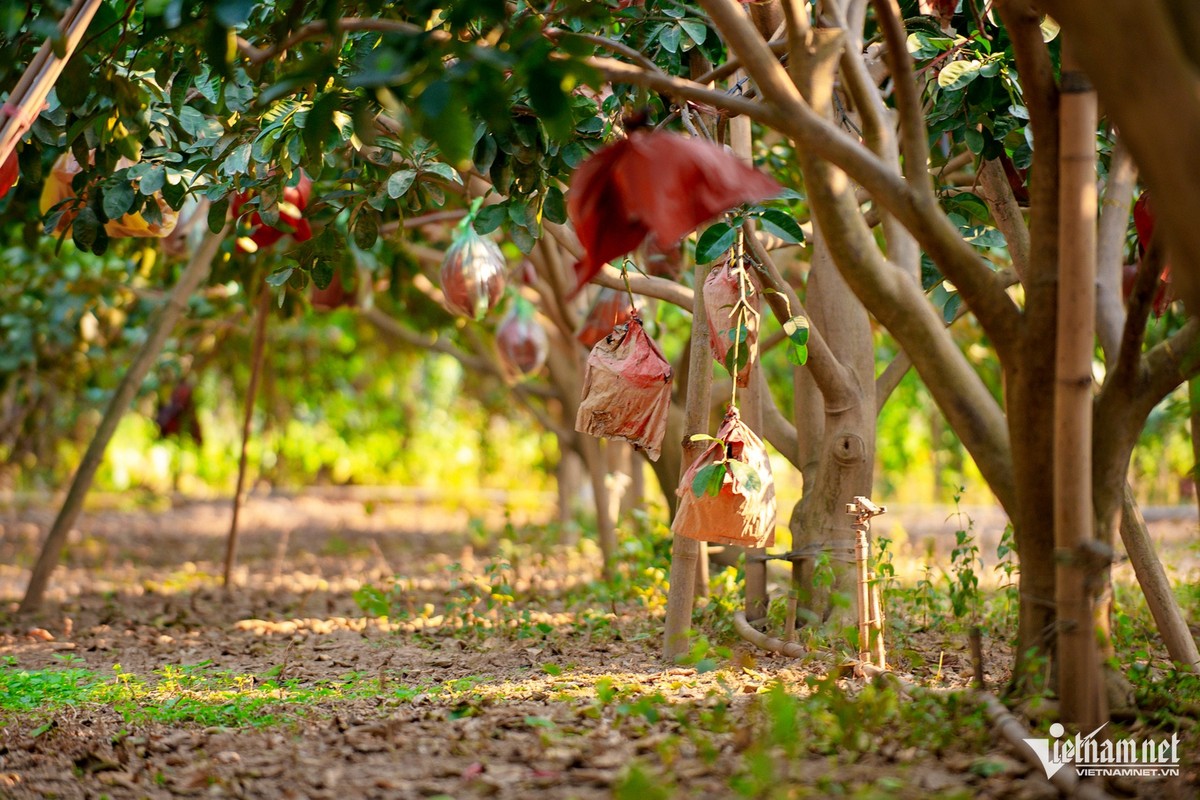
column 262, row 314
column 1168, row 616
column 685, row 552
column 159, row 329
column 25, row 101
column 1081, row 689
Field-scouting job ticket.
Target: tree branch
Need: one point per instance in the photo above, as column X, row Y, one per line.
column 879, row 135
column 648, row 286
column 914, row 139
column 1110, row 249
column 682, row 88
column 1167, row 365
column 320, row 27
column 996, row 191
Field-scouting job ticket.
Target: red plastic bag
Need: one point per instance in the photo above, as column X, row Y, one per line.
column 727, row 495
column 721, row 295
column 626, row 390
column 610, row 310
column 473, row 275
column 522, row 342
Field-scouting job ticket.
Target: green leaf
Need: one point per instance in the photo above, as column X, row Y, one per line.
column 958, row 74
column 117, row 200
column 779, row 223
column 238, row 160
column 974, row 139
column 443, row 171
column 709, row 480
column 217, row 213
column 400, row 182
column 490, row 218
column 702, row 437
column 280, row 277
column 745, row 474
column 696, row 30
column 85, row 229
column 322, row 274
column 714, row 242
column 950, row 310
column 366, row 228
column 797, row 354
column 523, row 238
column 152, row 181
column 554, row 207
column 796, row 329
column 670, row 38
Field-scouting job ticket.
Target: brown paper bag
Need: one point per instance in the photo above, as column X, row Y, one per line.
column 721, row 294
column 610, row 310
column 626, row 390
column 742, row 513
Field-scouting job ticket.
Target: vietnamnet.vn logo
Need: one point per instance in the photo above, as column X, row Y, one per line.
column 1104, row 757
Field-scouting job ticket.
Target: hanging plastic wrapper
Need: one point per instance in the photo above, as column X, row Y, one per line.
column 472, row 274
column 727, row 495
column 57, row 188
column 626, row 390
column 612, row 308
column 728, row 327
column 522, row 342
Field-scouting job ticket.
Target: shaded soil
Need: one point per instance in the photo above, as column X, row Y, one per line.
column 508, row 691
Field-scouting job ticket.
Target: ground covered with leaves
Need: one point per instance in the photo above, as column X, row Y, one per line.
column 397, row 651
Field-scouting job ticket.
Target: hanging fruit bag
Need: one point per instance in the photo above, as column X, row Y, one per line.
column 473, row 274
column 727, row 495
column 732, row 328
column 522, row 342
column 610, row 310
column 626, row 390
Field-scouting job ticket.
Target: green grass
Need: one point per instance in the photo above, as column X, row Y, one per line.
column 190, row 693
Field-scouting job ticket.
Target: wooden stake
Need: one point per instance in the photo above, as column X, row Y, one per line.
column 158, row 331
column 1081, row 689
column 262, row 313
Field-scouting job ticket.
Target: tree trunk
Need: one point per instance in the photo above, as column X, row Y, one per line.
column 159, row 329
column 847, row 446
column 686, row 552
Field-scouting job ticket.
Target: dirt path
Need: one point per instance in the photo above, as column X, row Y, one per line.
column 508, row 674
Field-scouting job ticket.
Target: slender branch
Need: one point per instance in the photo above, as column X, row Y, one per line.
column 1167, row 365
column 633, row 54
column 648, row 286
column 890, row 378
column 1110, row 248
column 682, row 88
column 914, row 140
column 996, row 191
column 1141, row 299
column 880, row 137
column 320, row 27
